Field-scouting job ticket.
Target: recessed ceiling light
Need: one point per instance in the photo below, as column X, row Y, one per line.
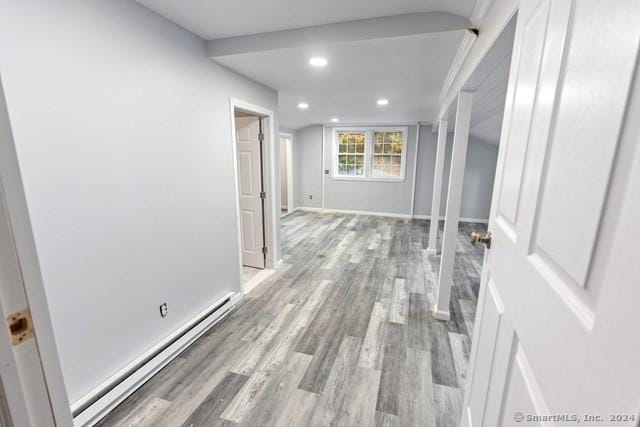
column 303, row 105
column 318, row 61
column 335, row 120
column 383, row 101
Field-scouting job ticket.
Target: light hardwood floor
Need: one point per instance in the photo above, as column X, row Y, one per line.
column 342, row 334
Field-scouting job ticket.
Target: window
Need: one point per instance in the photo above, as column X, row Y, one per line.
column 376, row 154
column 387, row 154
column 351, row 153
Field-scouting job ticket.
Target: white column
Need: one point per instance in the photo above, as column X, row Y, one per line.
column 454, row 200
column 432, row 249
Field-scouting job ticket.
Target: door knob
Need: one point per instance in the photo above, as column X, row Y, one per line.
column 481, row 238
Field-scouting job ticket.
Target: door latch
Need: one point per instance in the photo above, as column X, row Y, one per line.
column 481, row 238
column 20, row 326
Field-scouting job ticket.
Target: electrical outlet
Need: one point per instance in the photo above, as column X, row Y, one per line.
column 310, row 196
column 164, row 309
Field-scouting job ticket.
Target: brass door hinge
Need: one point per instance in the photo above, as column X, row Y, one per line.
column 20, row 326
column 264, row 250
column 263, row 195
column 261, row 137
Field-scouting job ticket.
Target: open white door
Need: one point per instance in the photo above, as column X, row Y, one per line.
column 560, row 296
column 248, row 153
column 24, row 396
column 23, row 383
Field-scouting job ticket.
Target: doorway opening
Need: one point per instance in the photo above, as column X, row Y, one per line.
column 286, row 174
column 471, row 132
column 255, row 191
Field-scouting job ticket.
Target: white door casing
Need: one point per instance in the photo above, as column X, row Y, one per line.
column 558, row 311
column 249, row 188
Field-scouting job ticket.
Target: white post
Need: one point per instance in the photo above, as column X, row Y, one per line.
column 454, row 201
column 415, row 169
column 432, row 249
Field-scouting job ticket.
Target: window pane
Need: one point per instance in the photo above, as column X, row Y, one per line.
column 387, row 148
column 359, row 160
column 352, row 148
column 342, row 148
column 342, row 160
column 395, row 160
column 378, row 148
column 397, row 147
column 351, row 170
column 360, row 147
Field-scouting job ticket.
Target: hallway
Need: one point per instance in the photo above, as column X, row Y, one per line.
column 341, row 334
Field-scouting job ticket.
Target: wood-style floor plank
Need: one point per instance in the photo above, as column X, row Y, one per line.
column 342, row 334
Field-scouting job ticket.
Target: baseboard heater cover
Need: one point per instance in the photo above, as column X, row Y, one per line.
column 219, row 310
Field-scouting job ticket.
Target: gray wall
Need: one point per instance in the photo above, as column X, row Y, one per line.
column 283, row 173
column 122, row 130
column 307, row 167
column 370, row 196
column 393, row 197
column 480, row 169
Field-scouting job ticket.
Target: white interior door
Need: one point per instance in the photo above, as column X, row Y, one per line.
column 249, row 188
column 22, row 380
column 24, row 396
column 560, row 296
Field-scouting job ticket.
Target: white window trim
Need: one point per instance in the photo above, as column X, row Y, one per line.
column 368, row 153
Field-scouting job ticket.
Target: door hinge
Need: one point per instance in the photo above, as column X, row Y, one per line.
column 263, row 195
column 264, row 250
column 261, row 137
column 20, row 326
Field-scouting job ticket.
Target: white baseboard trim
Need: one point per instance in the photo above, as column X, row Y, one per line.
column 345, row 211
column 257, row 279
column 472, row 220
column 307, row 209
column 370, row 213
column 97, row 410
column 386, row 214
column 441, row 314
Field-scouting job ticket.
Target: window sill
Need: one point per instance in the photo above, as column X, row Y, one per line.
column 365, row 179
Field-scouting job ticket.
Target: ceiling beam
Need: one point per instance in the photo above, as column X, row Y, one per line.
column 349, row 31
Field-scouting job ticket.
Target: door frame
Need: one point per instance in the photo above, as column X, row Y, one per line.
column 289, row 168
column 48, row 388
column 272, row 206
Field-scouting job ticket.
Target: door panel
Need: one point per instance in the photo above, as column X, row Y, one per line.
column 249, row 187
column 527, row 75
column 481, row 375
column 523, row 395
column 566, row 201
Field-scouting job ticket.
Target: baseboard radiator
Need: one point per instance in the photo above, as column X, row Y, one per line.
column 96, row 404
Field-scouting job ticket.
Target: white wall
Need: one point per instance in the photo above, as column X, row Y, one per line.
column 122, row 128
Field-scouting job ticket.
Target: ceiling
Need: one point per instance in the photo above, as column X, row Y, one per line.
column 215, row 19
column 489, row 83
column 407, row 69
